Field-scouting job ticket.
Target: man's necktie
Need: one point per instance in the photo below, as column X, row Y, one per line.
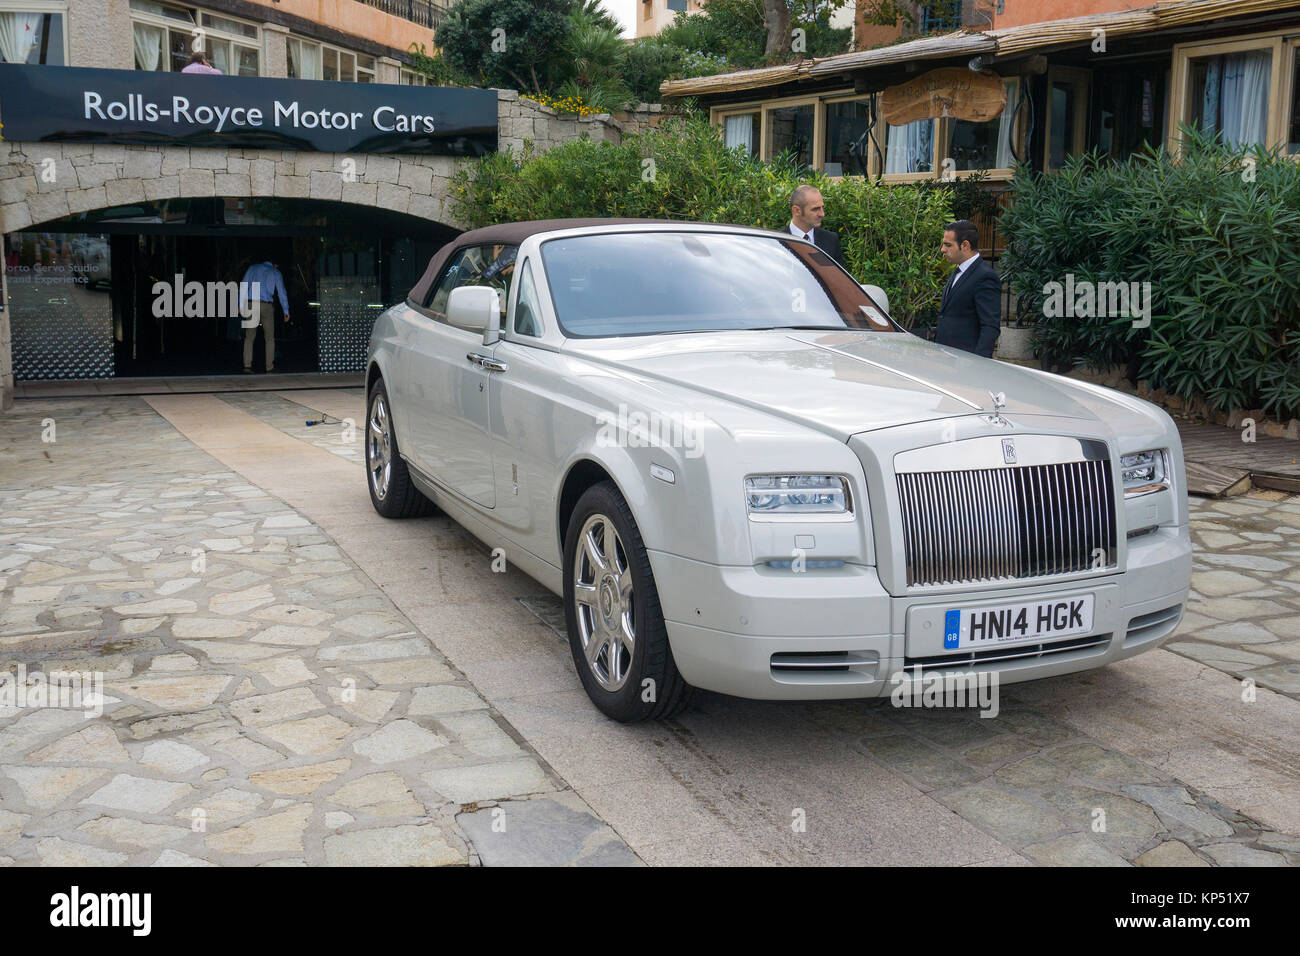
column 952, row 281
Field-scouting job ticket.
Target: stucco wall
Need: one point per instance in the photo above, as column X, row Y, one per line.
column 99, row 31
column 1016, row 14
column 99, row 34
column 358, row 19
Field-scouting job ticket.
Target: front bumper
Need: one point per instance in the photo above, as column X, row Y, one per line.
column 827, row 633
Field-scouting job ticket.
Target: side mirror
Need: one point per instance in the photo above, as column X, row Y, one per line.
column 476, row 308
column 877, row 295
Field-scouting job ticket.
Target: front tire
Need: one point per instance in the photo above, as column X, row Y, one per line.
column 616, row 627
column 391, row 491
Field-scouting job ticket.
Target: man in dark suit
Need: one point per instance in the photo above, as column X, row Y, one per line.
column 807, row 210
column 970, row 316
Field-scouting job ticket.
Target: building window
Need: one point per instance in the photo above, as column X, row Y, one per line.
column 1230, row 96
column 847, row 145
column 986, row 145
column 910, row 148
column 1067, row 114
column 790, row 131
column 834, row 133
column 228, row 55
column 743, row 130
column 412, row 78
column 1240, row 91
column 1293, row 134
column 164, row 36
column 33, row 36
column 320, row 61
column 940, row 16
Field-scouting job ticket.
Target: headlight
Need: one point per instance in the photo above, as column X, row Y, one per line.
column 796, row 495
column 1144, row 472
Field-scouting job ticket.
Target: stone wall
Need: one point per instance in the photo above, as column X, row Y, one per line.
column 87, row 177
column 526, row 119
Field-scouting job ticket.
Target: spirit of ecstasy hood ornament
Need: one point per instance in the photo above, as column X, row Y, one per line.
column 999, row 403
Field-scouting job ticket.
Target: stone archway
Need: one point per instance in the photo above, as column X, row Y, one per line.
column 48, row 181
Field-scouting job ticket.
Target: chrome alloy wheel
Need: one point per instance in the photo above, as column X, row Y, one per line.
column 604, row 602
column 379, row 448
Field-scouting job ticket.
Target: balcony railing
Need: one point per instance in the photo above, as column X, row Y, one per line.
column 426, row 13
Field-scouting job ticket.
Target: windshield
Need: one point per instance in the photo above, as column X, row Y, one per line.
column 641, row 283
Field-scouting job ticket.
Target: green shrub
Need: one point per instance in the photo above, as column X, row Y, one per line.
column 647, row 62
column 1216, row 233
column 890, row 234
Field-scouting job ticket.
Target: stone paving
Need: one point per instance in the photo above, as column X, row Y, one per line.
column 341, row 436
column 1038, row 785
column 263, row 701
column 1244, row 613
column 1157, row 761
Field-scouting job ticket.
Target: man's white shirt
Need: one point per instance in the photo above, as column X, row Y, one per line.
column 799, row 233
column 962, row 269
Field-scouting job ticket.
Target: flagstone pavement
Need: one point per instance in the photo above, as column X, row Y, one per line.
column 272, row 696
column 263, row 701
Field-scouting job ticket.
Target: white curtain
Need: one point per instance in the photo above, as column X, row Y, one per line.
column 910, row 148
column 18, row 33
column 306, row 59
column 148, row 46
column 219, row 54
column 1006, row 128
column 740, row 132
column 1243, row 113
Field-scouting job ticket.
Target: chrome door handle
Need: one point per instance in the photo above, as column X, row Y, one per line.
column 487, row 362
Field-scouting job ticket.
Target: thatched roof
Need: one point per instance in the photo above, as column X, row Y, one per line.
column 1010, row 41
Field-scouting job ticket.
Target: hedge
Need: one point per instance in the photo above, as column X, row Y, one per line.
column 683, row 170
column 1216, row 233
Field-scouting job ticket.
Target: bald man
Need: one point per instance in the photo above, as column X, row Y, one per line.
column 807, row 210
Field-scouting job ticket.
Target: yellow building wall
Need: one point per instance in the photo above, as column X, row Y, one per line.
column 358, row 19
column 1031, row 11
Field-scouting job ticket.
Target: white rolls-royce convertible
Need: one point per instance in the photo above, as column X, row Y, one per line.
column 741, row 474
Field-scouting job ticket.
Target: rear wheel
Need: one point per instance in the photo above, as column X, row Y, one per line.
column 616, row 627
column 391, row 491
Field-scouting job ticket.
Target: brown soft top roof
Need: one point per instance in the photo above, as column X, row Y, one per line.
column 512, row 234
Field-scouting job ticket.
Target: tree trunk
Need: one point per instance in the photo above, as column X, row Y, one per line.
column 776, row 14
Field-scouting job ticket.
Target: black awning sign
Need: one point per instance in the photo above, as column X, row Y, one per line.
column 43, row 103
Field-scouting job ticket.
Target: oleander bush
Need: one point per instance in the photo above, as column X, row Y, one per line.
column 682, row 170
column 1216, row 232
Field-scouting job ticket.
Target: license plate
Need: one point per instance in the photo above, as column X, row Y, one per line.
column 1013, row 623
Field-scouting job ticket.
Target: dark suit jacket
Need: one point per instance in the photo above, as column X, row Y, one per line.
column 970, row 317
column 829, row 243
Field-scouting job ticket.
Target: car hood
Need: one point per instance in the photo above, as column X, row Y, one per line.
column 842, row 383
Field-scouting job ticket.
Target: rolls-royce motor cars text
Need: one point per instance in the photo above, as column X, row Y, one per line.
column 801, row 499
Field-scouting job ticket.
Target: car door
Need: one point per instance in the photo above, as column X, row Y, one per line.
column 523, row 419
column 445, row 381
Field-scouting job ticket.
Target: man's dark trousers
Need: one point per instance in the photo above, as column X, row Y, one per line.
column 970, row 317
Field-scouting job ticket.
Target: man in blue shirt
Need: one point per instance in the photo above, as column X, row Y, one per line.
column 262, row 282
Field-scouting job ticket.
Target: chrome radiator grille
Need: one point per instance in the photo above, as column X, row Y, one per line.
column 1005, row 523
